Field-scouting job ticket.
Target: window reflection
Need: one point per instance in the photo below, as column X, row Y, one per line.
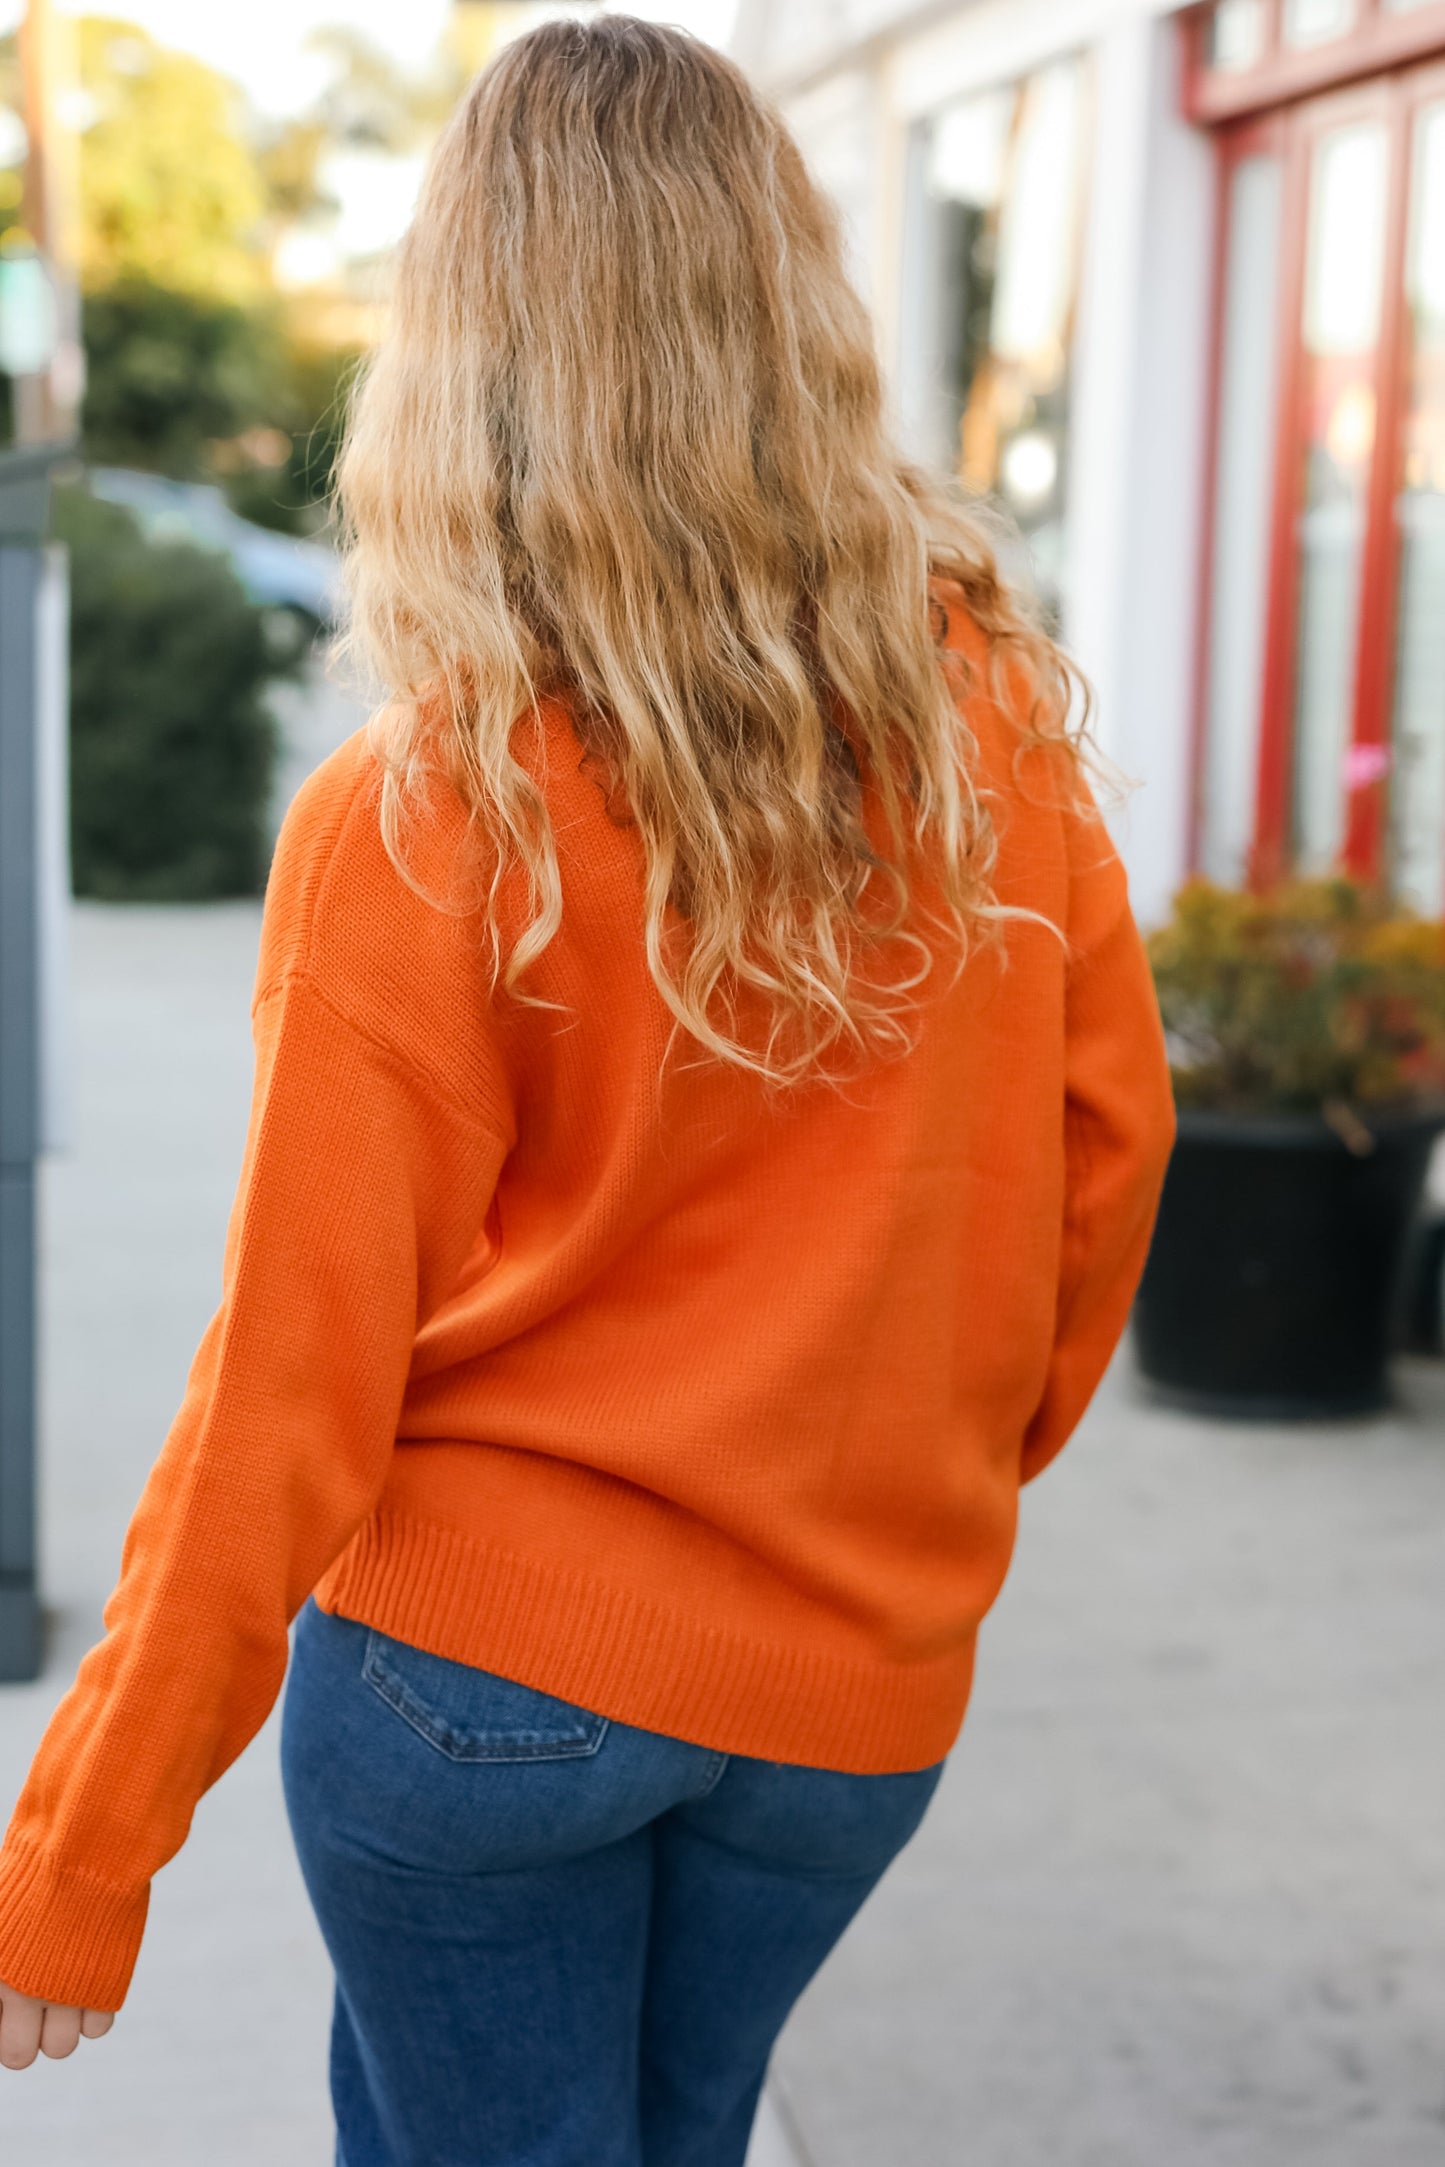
column 1343, row 287
column 1311, row 22
column 998, row 210
column 1417, row 799
column 1236, row 35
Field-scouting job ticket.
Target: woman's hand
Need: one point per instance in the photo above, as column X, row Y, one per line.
column 28, row 2026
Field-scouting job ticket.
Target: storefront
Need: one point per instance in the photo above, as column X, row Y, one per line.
column 1170, row 284
column 1322, row 719
column 993, row 226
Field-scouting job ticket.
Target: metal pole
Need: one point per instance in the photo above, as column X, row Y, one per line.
column 28, row 808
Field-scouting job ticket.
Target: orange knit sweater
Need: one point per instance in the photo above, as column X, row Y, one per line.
column 707, row 1412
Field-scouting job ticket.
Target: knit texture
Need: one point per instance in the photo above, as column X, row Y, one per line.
column 705, row 1410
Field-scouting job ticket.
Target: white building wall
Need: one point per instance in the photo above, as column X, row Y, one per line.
column 852, row 89
column 1136, row 482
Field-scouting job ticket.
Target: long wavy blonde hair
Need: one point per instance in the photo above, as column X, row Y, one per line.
column 624, row 444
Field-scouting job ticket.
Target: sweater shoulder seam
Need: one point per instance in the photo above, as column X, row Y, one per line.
column 299, row 974
column 334, row 824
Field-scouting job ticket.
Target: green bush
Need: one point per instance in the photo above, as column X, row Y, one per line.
column 308, row 412
column 1315, row 994
column 172, row 746
column 192, row 387
column 168, row 373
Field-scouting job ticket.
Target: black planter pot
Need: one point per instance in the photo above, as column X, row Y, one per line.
column 1274, row 1276
column 1424, row 1310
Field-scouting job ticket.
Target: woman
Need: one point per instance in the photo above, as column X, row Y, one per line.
column 709, row 1111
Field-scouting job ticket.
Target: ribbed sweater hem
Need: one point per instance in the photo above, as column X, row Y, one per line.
column 626, row 1656
column 65, row 1936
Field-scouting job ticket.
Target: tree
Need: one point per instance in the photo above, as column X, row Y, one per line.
column 368, row 104
column 171, row 372
column 171, row 191
column 199, row 365
column 293, row 493
column 195, row 366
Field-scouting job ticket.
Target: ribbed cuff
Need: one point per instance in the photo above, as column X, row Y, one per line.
column 64, row 1936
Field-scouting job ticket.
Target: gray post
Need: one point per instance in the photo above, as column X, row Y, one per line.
column 28, row 857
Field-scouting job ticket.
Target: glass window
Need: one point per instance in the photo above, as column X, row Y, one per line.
column 1406, row 7
column 1343, row 289
column 1342, row 547
column 989, row 300
column 1417, row 797
column 1236, row 35
column 1311, row 22
column 1239, row 576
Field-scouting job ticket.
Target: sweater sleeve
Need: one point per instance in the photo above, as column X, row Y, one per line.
column 361, row 1189
column 1118, row 1133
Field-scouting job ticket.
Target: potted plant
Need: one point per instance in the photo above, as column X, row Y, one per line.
column 1306, row 1029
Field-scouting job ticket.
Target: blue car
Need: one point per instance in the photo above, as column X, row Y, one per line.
column 278, row 571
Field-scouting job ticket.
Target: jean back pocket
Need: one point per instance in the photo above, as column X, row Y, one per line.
column 473, row 1715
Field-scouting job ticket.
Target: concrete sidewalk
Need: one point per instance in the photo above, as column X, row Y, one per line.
column 1181, row 1898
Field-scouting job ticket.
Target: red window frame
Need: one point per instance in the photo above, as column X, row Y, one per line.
column 1292, row 131
column 1381, row 39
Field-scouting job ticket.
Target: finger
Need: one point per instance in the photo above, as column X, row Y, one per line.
column 60, row 2031
column 20, row 2019
column 95, row 2023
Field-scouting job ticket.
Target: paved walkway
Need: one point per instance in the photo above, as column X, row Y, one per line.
column 1180, row 1900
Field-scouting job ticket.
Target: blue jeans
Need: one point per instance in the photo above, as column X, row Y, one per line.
column 559, row 1941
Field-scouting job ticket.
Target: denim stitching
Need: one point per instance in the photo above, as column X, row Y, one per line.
column 579, row 1744
column 717, row 1764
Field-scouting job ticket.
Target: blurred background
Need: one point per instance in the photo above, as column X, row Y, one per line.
column 1167, row 284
